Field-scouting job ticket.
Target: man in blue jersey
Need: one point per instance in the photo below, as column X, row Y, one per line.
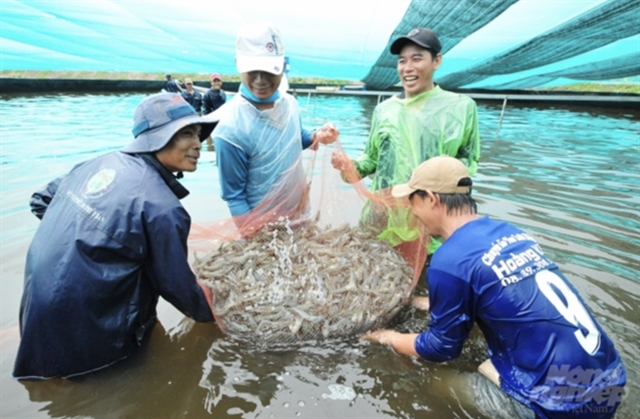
column 548, row 357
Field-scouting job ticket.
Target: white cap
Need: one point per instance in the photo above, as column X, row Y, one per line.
column 259, row 47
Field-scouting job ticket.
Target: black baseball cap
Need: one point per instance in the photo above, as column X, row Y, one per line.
column 426, row 38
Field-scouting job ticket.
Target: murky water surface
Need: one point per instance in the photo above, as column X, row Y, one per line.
column 569, row 177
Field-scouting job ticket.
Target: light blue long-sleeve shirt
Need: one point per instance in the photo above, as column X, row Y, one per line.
column 259, row 151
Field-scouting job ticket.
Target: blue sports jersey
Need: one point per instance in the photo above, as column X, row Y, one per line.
column 550, row 352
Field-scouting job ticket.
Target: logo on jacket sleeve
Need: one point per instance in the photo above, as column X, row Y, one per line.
column 99, row 184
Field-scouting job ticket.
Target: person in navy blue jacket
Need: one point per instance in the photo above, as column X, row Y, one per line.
column 192, row 96
column 548, row 356
column 172, row 85
column 215, row 96
column 112, row 240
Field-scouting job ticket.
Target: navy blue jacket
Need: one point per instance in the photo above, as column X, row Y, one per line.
column 172, row 86
column 195, row 99
column 112, row 240
column 213, row 99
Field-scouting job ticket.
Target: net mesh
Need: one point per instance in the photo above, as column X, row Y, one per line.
column 615, row 68
column 453, row 21
column 486, row 42
column 281, row 275
column 605, row 24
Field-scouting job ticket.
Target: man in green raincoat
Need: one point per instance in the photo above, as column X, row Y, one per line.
column 422, row 122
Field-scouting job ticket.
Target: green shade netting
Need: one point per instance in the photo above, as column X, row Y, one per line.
column 611, row 21
column 617, row 68
column 453, row 21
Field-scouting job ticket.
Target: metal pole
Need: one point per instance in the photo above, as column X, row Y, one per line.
column 504, row 105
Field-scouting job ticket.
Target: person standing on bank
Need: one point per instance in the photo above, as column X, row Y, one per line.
column 112, row 240
column 215, row 96
column 192, row 96
column 424, row 121
column 172, row 85
column 213, row 99
column 548, row 356
column 259, row 140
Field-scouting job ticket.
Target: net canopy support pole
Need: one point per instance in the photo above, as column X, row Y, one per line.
column 504, row 105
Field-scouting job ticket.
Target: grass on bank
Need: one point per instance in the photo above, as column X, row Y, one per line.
column 109, row 75
column 588, row 87
column 633, row 88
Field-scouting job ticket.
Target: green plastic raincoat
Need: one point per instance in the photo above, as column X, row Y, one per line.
column 404, row 133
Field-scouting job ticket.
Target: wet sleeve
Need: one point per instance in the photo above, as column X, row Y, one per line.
column 469, row 151
column 41, row 199
column 306, row 137
column 168, row 265
column 367, row 163
column 233, row 169
column 451, row 317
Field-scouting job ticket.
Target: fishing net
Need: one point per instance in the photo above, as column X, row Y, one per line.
column 315, row 270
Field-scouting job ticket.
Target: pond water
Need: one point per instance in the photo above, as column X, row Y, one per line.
column 570, row 177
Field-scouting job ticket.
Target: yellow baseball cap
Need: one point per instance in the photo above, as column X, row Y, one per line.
column 438, row 174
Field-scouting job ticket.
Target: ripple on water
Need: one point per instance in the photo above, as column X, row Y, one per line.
column 571, row 178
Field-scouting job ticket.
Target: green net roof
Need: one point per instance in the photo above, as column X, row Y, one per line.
column 495, row 44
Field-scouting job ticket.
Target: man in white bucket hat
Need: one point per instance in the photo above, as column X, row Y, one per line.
column 112, row 240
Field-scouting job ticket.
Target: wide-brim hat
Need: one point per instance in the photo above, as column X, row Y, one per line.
column 158, row 118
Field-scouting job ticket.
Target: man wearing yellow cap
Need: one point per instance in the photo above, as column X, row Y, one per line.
column 548, row 356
